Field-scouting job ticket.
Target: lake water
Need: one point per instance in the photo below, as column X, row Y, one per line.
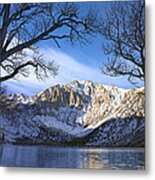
column 71, row 157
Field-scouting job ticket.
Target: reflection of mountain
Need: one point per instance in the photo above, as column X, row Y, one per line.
column 83, row 113
column 72, row 157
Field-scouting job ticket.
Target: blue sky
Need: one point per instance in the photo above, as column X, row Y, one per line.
column 75, row 62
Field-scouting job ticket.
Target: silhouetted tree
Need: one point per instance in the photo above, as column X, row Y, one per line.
column 23, row 25
column 124, row 31
column 2, row 99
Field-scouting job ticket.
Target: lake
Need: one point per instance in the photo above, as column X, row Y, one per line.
column 71, row 157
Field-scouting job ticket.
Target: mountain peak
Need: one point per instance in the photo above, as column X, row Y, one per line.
column 77, row 108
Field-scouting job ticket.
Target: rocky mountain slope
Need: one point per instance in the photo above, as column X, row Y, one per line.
column 82, row 113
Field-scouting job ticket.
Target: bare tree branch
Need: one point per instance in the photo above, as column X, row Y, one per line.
column 24, row 25
column 124, row 31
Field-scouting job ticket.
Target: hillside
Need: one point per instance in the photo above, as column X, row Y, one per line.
column 82, row 113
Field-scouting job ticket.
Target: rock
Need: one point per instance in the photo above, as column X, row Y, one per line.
column 84, row 112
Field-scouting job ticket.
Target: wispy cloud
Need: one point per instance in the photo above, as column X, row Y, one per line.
column 70, row 69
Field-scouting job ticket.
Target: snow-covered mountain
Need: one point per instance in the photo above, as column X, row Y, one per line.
column 81, row 112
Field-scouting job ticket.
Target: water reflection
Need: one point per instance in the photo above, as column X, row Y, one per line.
column 67, row 157
column 114, row 158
